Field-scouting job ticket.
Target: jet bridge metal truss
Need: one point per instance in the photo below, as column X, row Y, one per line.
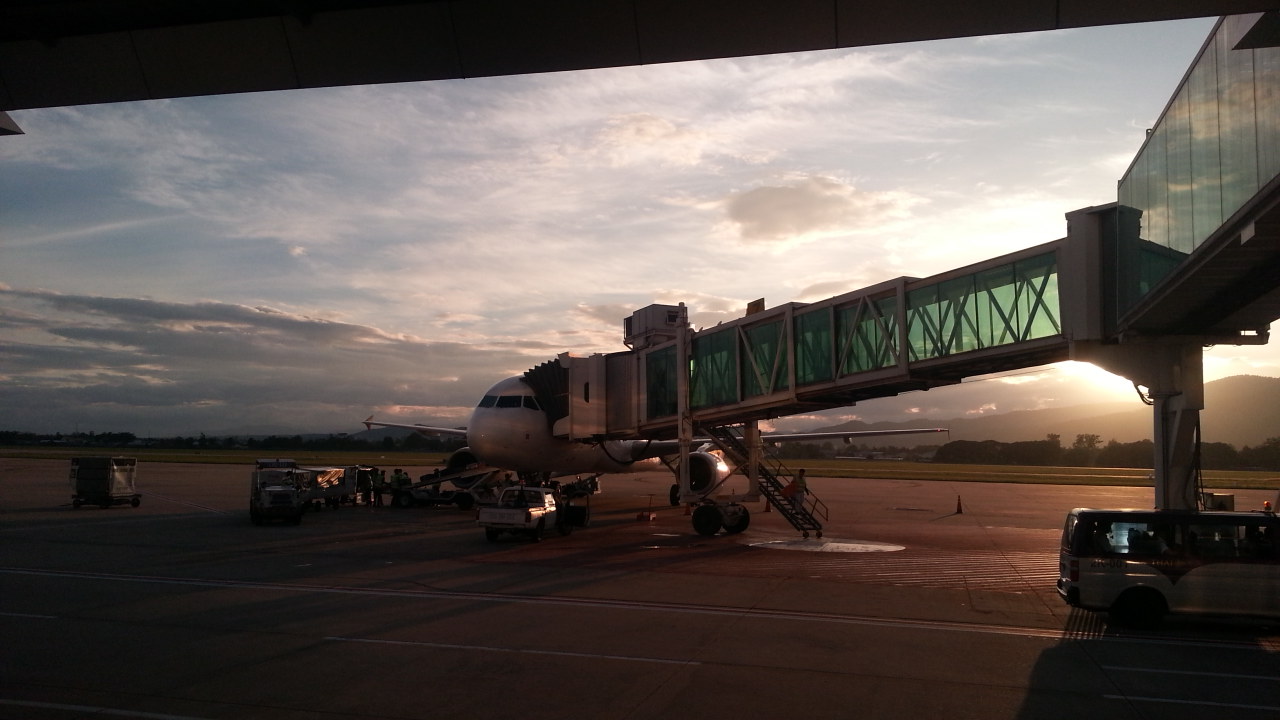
column 899, row 336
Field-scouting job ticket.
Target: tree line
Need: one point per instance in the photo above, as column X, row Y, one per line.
column 1088, row 450
column 410, row 443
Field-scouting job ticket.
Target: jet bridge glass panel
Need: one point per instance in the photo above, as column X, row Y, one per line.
column 713, row 369
column 764, row 367
column 868, row 335
column 814, row 347
column 993, row 307
column 1215, row 148
column 660, row 383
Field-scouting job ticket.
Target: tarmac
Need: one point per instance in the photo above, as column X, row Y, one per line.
column 920, row 598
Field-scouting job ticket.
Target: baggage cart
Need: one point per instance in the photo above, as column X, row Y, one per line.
column 104, row 481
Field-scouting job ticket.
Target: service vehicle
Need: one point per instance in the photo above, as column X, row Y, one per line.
column 104, row 481
column 278, row 490
column 1139, row 565
column 334, row 486
column 531, row 511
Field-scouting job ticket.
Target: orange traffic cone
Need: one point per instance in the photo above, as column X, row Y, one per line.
column 959, row 507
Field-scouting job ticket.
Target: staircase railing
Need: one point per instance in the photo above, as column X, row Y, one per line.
column 772, row 476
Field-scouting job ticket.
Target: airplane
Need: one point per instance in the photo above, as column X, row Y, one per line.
column 510, row 430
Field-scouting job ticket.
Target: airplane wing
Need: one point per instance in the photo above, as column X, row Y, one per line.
column 370, row 423
column 669, row 447
column 846, row 436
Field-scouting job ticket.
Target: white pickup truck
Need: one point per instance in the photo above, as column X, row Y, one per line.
column 530, row 511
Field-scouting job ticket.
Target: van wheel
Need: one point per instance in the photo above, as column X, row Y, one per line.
column 1141, row 608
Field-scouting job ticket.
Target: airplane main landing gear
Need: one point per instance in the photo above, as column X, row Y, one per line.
column 709, row 518
column 736, row 518
column 706, row 520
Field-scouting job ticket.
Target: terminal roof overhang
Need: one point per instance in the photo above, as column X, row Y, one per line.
column 77, row 52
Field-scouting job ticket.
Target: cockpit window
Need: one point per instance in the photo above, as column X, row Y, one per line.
column 509, row 401
column 488, row 401
column 531, row 402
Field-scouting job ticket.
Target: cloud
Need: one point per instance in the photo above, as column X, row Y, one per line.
column 224, row 368
column 644, row 137
column 808, row 207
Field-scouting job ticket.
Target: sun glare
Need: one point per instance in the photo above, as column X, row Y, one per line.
column 1090, row 374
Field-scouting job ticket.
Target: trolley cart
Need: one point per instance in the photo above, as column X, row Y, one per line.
column 104, row 481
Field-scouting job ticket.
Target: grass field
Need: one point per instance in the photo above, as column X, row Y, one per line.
column 886, row 469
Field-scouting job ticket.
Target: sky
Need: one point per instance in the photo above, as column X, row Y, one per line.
column 293, row 262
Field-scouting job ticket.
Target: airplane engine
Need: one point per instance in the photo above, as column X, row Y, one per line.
column 459, row 460
column 706, row 470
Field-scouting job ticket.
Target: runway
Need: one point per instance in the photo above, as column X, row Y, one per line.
column 183, row 609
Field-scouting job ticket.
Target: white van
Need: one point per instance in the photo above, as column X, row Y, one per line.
column 1139, row 565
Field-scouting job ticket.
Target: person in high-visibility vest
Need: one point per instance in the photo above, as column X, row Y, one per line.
column 800, row 490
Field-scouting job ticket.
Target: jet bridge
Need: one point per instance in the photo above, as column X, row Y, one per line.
column 1188, row 256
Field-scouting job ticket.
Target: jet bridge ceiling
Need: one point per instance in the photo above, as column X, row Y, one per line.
column 75, row 52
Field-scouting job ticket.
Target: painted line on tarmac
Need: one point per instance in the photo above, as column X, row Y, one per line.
column 197, row 506
column 634, row 605
column 1159, row 671
column 603, row 603
column 490, row 648
column 94, row 710
column 28, row 616
column 1199, row 703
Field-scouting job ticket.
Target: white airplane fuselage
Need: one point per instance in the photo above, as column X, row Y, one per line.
column 508, row 430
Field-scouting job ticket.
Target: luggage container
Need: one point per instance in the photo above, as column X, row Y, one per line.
column 331, row 486
column 104, row 481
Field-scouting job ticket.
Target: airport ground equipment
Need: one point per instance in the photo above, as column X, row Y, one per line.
column 278, row 491
column 1139, row 565
column 104, row 481
column 473, row 485
column 531, row 511
column 333, row 486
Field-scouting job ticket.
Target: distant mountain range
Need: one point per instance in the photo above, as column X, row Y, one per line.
column 1243, row 410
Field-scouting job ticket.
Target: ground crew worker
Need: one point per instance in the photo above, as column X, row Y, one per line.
column 379, row 487
column 800, row 490
column 364, row 486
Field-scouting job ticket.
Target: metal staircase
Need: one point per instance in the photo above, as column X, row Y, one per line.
column 772, row 478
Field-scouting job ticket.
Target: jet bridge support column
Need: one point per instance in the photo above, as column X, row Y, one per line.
column 751, row 437
column 684, row 413
column 1173, row 375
